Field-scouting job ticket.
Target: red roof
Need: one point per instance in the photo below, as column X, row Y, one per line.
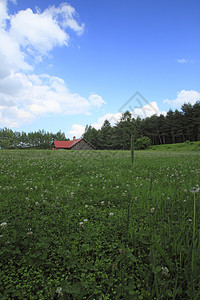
column 66, row 144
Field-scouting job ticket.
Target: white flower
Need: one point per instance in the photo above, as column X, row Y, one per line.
column 29, row 233
column 152, row 210
column 36, row 203
column 3, row 225
column 165, row 271
column 85, row 220
column 86, row 206
column 81, row 224
column 195, row 190
column 102, row 202
column 111, row 214
column 59, row 291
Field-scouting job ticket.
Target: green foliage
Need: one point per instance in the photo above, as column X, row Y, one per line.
column 84, row 225
column 175, row 127
column 37, row 140
column 142, row 143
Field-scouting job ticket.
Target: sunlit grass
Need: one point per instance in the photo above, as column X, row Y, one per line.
column 86, row 225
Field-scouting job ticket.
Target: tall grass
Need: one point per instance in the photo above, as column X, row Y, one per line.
column 86, row 225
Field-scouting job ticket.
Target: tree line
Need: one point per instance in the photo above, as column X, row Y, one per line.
column 34, row 140
column 175, row 127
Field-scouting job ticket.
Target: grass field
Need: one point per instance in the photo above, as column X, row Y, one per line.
column 181, row 147
column 88, row 225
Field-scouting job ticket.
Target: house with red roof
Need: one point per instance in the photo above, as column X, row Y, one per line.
column 75, row 144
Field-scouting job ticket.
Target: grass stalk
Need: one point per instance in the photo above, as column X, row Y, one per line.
column 193, row 236
column 132, row 150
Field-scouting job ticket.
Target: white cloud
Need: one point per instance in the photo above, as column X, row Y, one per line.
column 38, row 32
column 146, row 111
column 96, row 100
column 183, row 97
column 112, row 118
column 3, row 13
column 182, row 61
column 77, row 130
column 67, row 12
column 24, row 96
column 33, row 34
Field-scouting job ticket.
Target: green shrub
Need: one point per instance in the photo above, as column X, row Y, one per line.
column 142, row 143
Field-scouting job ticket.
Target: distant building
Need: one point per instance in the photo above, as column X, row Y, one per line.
column 75, row 144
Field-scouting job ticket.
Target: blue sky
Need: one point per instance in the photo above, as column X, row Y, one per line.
column 64, row 65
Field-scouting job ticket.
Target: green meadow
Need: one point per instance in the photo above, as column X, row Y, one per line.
column 89, row 225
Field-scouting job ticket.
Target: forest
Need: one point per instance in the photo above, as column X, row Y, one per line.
column 33, row 140
column 175, row 127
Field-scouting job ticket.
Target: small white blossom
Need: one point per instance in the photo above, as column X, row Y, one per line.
column 152, row 210
column 165, row 271
column 195, row 190
column 29, row 233
column 3, row 225
column 59, row 291
column 111, row 214
column 81, row 224
column 85, row 220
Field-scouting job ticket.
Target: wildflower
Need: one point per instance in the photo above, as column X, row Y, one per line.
column 195, row 190
column 86, row 206
column 29, row 233
column 111, row 214
column 190, row 220
column 3, row 225
column 102, row 202
column 165, row 271
column 85, row 220
column 81, row 224
column 36, row 203
column 59, row 291
column 152, row 210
